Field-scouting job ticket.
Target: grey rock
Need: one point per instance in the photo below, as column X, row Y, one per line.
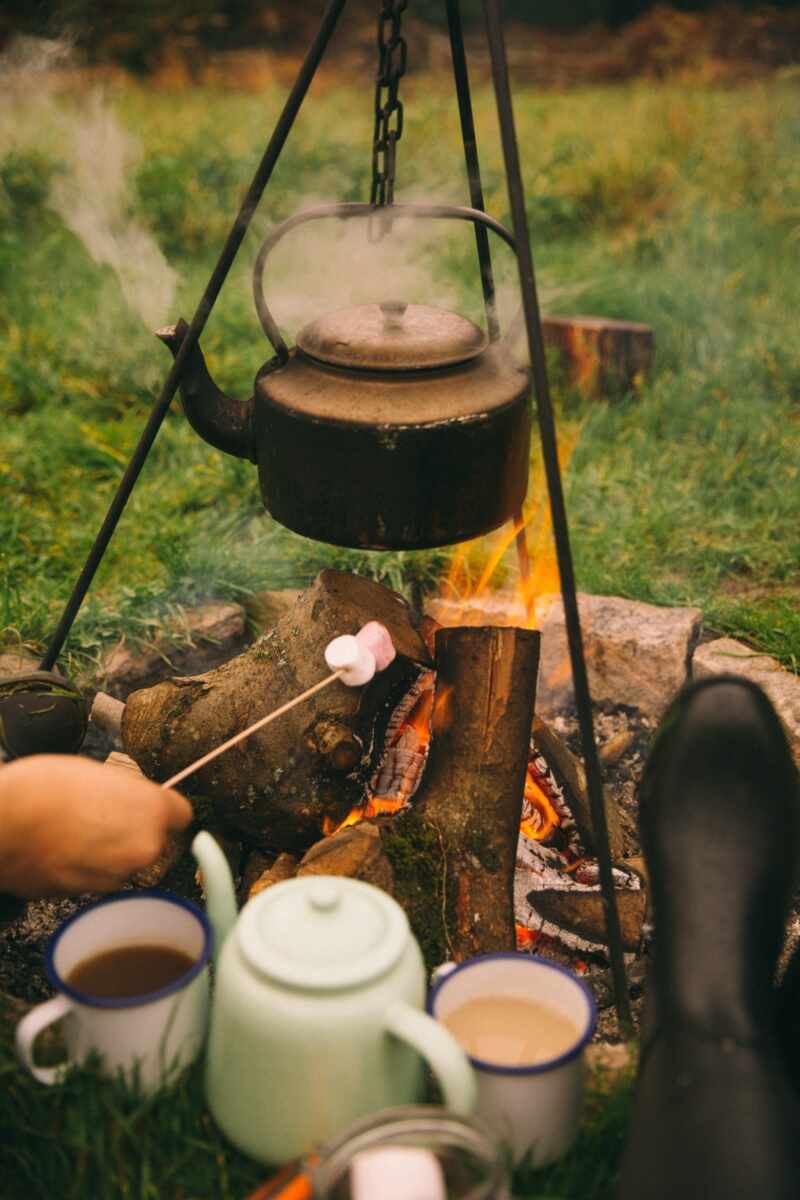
column 636, row 654
column 726, row 655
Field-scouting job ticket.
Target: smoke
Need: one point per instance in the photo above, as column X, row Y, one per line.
column 91, row 191
column 328, row 264
column 331, row 264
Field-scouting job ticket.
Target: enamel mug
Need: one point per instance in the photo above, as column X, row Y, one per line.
column 533, row 1107
column 149, row 1038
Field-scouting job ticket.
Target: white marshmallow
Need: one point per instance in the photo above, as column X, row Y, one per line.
column 397, row 1173
column 355, row 661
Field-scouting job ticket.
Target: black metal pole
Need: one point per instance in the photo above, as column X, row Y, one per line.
column 202, row 312
column 455, row 28
column 461, row 75
column 505, row 112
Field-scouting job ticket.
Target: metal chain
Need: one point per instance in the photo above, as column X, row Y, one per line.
column 388, row 108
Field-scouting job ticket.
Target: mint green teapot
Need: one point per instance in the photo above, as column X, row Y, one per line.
column 317, row 1016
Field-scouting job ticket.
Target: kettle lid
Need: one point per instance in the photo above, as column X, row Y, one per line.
column 392, row 336
column 322, row 932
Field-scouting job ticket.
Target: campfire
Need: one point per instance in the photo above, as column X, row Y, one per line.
column 435, row 781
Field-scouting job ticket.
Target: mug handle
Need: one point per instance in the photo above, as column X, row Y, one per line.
column 442, row 1052
column 29, row 1028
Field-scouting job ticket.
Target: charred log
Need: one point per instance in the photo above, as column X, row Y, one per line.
column 279, row 785
column 449, row 859
column 583, row 913
column 570, row 774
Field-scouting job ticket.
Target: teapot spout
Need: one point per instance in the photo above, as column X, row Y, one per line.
column 218, row 886
column 220, row 420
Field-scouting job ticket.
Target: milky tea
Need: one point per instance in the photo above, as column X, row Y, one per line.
column 510, row 1031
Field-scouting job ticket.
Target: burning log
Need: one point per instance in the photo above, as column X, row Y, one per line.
column 284, row 867
column 570, row 773
column 453, row 853
column 357, row 852
column 583, row 913
column 450, row 857
column 279, row 785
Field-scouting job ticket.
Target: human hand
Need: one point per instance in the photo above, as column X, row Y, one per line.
column 70, row 825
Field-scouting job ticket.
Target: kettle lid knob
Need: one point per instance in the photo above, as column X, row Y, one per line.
column 393, row 311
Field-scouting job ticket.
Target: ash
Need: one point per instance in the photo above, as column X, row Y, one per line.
column 623, row 737
column 621, row 774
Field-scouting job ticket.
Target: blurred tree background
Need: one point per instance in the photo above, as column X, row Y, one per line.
column 140, row 36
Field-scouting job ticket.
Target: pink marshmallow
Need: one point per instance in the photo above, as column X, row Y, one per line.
column 375, row 637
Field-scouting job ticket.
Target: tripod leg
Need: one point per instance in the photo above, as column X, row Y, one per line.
column 544, row 409
column 461, row 76
column 202, row 313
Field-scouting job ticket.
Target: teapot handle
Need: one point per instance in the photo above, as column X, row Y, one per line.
column 345, row 211
column 441, row 1051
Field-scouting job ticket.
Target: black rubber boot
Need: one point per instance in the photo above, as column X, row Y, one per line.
column 789, row 1019
column 714, row 1116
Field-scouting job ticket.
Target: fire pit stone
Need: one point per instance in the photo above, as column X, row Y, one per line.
column 637, row 654
column 782, row 686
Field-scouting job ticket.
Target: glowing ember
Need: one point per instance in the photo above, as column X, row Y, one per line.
column 526, row 938
column 476, row 568
column 398, row 776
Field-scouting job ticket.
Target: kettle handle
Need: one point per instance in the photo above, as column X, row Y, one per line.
column 440, row 1050
column 344, row 212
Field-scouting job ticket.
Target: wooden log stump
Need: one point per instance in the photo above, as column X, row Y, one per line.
column 601, row 355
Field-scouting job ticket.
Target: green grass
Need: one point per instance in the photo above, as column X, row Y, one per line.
column 677, row 204
column 91, row 1138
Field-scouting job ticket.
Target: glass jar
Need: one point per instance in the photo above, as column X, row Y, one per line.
column 472, row 1164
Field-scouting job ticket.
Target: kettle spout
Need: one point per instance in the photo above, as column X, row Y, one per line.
column 219, row 419
column 218, row 886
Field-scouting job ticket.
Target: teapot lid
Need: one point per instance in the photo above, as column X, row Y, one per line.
column 392, row 336
column 322, row 932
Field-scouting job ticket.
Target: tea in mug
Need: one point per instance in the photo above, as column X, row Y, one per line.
column 511, row 1031
column 130, row 970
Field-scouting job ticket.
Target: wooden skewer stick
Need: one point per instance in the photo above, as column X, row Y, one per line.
column 244, row 733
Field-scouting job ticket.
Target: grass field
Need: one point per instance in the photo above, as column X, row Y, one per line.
column 89, row 1138
column 676, row 204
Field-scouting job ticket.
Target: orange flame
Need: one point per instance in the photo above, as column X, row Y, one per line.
column 476, row 569
column 479, row 567
column 376, row 806
column 543, row 818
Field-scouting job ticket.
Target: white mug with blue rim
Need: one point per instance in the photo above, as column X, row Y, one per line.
column 534, row 1108
column 148, row 1038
